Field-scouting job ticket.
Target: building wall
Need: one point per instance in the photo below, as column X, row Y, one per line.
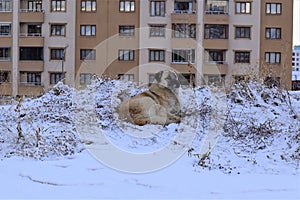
column 284, row 21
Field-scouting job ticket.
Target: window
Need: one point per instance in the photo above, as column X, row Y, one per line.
column 157, row 30
column 34, row 30
column 242, row 57
column 156, row 55
column 215, row 31
column 58, row 5
column 216, row 80
column 127, row 5
column 183, row 55
column 215, row 56
column 216, row 6
column 272, row 81
column 126, row 55
column 273, row 57
column 157, row 8
column 273, row 33
column 187, row 79
column 184, row 30
column 87, row 54
column 5, row 29
column 243, row 7
column 30, row 78
column 85, row 79
column 183, row 6
column 88, row 5
column 4, row 53
column 58, row 30
column 35, row 6
column 32, row 53
column 273, row 8
column 88, row 30
column 55, row 77
column 6, row 5
column 57, row 54
column 126, row 77
column 4, row 77
column 126, row 30
column 242, row 32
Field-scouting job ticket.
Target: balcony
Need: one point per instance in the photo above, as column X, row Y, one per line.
column 5, row 89
column 184, row 18
column 26, row 89
column 32, row 40
column 216, row 7
column 32, row 16
column 218, row 67
column 216, row 19
column 37, row 66
column 215, row 43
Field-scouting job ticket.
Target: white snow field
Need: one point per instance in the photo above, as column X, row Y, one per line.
column 69, row 144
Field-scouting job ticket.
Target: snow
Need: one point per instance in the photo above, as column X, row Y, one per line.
column 74, row 146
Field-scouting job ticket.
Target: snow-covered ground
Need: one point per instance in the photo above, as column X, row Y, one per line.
column 72, row 145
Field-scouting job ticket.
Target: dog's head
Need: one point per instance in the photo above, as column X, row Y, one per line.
column 168, row 79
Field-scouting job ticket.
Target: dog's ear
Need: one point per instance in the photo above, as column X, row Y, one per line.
column 158, row 76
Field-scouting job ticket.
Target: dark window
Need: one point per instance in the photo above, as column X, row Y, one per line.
column 58, row 30
column 87, row 54
column 157, row 8
column 4, row 53
column 30, row 78
column 215, row 56
column 57, row 54
column 183, row 55
column 214, row 31
column 5, row 29
column 272, row 81
column 273, row 8
column 88, row 5
column 4, row 77
column 156, row 55
column 32, row 53
column 216, row 80
column 58, row 5
column 126, row 55
column 35, row 6
column 184, row 30
column 127, row 5
column 273, row 33
column 6, row 5
column 242, row 57
column 183, row 6
column 126, row 30
column 55, row 77
column 126, row 77
column 242, row 32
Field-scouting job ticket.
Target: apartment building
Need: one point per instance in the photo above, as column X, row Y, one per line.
column 216, row 42
column 296, row 68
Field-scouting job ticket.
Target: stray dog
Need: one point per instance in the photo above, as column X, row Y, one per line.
column 158, row 105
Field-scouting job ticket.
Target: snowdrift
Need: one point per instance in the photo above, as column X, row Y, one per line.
column 261, row 126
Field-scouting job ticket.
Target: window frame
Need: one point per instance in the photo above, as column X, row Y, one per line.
column 60, row 6
column 132, row 5
column 269, row 57
column 241, row 3
column 268, row 11
column 93, row 5
column 185, row 51
column 188, row 30
column 156, row 27
column 85, row 78
column 87, row 54
column 276, row 29
column 161, row 53
column 246, row 57
column 6, row 53
column 123, row 52
column 157, row 8
column 208, row 30
column 32, row 78
column 242, row 29
column 93, row 30
column 58, row 76
column 127, row 28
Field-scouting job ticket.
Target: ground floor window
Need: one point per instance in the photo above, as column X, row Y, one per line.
column 30, row 78
column 55, row 77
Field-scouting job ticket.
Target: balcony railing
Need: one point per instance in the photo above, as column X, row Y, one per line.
column 5, row 58
column 216, row 62
column 30, row 34
column 31, row 10
column 216, row 12
column 185, row 11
